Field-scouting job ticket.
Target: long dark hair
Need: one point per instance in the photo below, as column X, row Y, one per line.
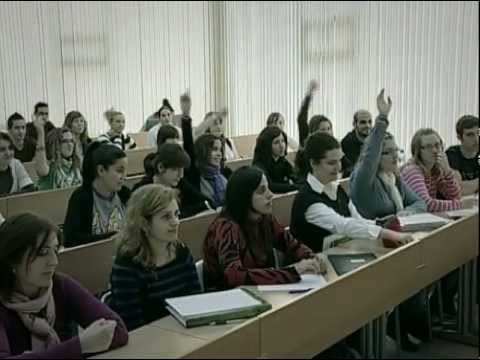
column 99, row 154
column 203, row 149
column 238, row 197
column 316, row 147
column 18, row 236
column 263, row 148
column 69, row 118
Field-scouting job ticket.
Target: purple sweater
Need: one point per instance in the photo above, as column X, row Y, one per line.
column 73, row 304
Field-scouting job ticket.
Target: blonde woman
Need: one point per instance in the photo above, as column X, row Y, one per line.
column 115, row 135
column 56, row 162
column 151, row 264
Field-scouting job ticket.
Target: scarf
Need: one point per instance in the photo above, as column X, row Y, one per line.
column 216, row 180
column 390, row 181
column 38, row 316
column 65, row 175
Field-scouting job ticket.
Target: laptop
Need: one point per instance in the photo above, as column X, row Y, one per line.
column 348, row 262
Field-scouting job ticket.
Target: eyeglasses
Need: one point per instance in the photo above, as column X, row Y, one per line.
column 430, row 147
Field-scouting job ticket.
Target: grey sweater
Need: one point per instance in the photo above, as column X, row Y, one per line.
column 368, row 191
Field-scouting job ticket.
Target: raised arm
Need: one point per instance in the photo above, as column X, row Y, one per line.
column 302, row 119
column 41, row 162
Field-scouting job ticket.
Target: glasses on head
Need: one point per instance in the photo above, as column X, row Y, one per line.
column 430, row 147
column 392, row 152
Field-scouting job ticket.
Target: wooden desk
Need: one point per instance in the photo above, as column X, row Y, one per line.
column 282, row 206
column 135, row 160
column 151, row 342
column 245, row 145
column 51, row 204
column 192, row 232
column 89, row 264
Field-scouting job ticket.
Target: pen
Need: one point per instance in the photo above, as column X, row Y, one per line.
column 299, row 291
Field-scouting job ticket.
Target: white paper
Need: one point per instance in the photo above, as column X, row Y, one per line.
column 212, row 302
column 308, row 281
column 425, row 219
column 461, row 212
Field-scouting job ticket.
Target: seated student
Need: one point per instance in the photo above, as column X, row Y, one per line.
column 164, row 116
column 464, row 158
column 96, row 209
column 378, row 191
column 240, row 246
column 59, row 166
column 40, row 112
column 322, row 207
column 151, row 264
column 214, row 124
column 269, row 155
column 168, row 170
column 352, row 143
column 77, row 124
column 23, row 145
column 39, row 308
column 277, row 119
column 430, row 176
column 115, row 135
column 376, row 187
column 13, row 176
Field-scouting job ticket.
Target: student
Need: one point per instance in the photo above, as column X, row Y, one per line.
column 77, row 124
column 243, row 242
column 168, row 170
column 277, row 119
column 96, row 210
column 322, row 207
column 378, row 191
column 214, row 124
column 376, row 187
column 269, row 155
column 39, row 308
column 40, row 112
column 151, row 264
column 429, row 174
column 464, row 158
column 213, row 183
column 59, row 166
column 13, row 176
column 164, row 116
column 115, row 135
column 23, row 145
column 318, row 123
column 352, row 143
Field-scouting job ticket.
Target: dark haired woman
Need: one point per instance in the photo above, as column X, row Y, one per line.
column 96, row 209
column 164, row 116
column 242, row 244
column 39, row 307
column 269, row 155
column 77, row 124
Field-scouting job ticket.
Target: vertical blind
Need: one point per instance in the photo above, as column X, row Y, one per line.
column 253, row 57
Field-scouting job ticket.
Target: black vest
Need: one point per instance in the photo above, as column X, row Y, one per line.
column 307, row 233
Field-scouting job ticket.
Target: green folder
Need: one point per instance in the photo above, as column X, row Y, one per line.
column 216, row 308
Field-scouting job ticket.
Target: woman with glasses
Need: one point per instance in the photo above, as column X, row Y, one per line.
column 429, row 174
column 56, row 162
column 376, row 187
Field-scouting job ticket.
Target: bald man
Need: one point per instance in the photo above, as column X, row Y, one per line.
column 352, row 143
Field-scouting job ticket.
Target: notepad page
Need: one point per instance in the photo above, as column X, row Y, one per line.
column 212, row 302
column 418, row 219
column 308, row 281
column 462, row 212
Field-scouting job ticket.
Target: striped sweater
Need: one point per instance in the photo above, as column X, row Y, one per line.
column 235, row 257
column 138, row 294
column 432, row 187
column 124, row 142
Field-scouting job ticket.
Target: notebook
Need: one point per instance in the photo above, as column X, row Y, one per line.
column 216, row 307
column 307, row 282
column 348, row 262
column 421, row 222
column 455, row 214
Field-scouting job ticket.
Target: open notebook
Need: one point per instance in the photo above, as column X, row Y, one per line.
column 216, row 307
column 421, row 222
column 307, row 282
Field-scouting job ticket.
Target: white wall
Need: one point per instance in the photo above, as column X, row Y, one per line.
column 255, row 57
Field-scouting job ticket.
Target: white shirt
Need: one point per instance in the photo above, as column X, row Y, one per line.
column 153, row 132
column 20, row 176
column 326, row 218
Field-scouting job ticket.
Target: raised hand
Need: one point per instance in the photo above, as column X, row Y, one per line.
column 186, row 102
column 313, row 86
column 383, row 106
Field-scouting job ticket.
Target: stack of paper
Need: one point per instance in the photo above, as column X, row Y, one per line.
column 421, row 222
column 307, row 282
column 455, row 214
